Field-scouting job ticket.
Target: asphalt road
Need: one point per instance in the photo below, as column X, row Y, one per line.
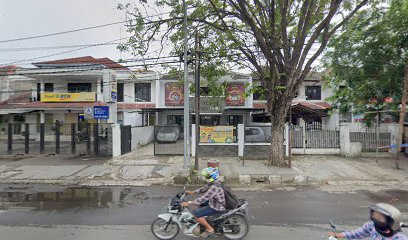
column 43, row 205
column 122, row 211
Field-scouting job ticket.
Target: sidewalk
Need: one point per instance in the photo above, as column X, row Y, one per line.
column 327, row 172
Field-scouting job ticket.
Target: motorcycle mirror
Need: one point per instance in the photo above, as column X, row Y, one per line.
column 332, row 224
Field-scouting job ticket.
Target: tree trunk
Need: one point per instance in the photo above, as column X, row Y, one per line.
column 278, row 120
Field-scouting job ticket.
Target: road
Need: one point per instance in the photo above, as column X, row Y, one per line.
column 30, row 212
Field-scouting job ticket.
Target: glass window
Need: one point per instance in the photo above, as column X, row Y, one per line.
column 142, row 92
column 79, row 87
column 49, row 87
column 258, row 94
column 120, row 92
column 313, row 92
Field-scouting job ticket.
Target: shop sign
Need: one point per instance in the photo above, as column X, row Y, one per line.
column 216, row 134
column 68, row 97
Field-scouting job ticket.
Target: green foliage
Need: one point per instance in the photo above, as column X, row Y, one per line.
column 367, row 59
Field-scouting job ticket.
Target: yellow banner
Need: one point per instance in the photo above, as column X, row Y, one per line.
column 68, row 97
column 217, row 134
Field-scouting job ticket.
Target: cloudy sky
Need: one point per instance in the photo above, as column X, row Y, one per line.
column 24, row 18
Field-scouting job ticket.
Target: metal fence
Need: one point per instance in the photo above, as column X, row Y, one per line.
column 371, row 139
column 316, row 136
column 168, row 140
column 22, row 138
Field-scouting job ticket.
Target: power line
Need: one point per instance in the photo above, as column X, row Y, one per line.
column 72, row 31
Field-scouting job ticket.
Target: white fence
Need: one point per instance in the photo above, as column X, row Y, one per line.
column 315, row 136
column 142, row 136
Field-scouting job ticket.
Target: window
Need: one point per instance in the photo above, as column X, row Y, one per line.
column 142, row 92
column 79, row 87
column 258, row 94
column 120, row 92
column 175, row 119
column 313, row 92
column 204, row 91
column 49, row 87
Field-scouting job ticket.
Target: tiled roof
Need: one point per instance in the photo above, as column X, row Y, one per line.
column 44, row 105
column 107, row 62
column 5, row 70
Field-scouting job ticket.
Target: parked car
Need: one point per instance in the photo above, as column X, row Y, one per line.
column 258, row 134
column 169, row 133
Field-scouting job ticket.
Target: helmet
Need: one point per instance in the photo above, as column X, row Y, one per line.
column 210, row 174
column 393, row 218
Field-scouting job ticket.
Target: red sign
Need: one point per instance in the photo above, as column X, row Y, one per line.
column 174, row 94
column 235, row 94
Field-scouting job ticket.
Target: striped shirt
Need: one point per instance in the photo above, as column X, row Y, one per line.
column 368, row 231
column 214, row 194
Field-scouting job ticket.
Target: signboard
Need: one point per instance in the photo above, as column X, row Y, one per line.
column 68, row 97
column 174, row 94
column 235, row 94
column 101, row 112
column 113, row 83
column 209, row 104
column 88, row 113
column 216, row 134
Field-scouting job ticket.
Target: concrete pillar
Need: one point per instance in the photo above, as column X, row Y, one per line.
column 241, row 140
column 99, row 93
column 344, row 140
column 116, row 140
column 158, row 103
column 302, row 123
column 287, row 136
column 42, row 117
column 193, row 142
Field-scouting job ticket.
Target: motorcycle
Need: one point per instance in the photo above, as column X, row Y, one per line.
column 231, row 224
column 334, row 229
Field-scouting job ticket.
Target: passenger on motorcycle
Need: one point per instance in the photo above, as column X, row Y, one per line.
column 384, row 225
column 211, row 203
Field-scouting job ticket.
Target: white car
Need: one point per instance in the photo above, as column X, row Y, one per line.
column 170, row 133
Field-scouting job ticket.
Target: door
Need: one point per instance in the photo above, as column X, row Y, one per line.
column 126, row 139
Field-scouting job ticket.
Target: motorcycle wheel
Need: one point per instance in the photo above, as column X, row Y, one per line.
column 158, row 229
column 239, row 226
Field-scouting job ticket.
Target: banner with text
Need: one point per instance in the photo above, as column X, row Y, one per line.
column 174, row 93
column 235, row 94
column 216, row 134
column 68, row 97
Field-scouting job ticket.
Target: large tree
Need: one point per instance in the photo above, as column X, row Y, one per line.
column 277, row 39
column 367, row 61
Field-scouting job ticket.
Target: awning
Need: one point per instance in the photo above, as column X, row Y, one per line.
column 14, row 111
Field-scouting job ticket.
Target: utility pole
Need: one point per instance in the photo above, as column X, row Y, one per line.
column 186, row 96
column 402, row 115
column 197, row 98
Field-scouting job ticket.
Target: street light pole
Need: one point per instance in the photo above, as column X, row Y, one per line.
column 197, row 99
column 186, row 164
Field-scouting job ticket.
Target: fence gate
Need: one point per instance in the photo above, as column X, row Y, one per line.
column 126, row 139
column 315, row 136
column 168, row 140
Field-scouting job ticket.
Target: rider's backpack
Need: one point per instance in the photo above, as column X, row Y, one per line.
column 231, row 200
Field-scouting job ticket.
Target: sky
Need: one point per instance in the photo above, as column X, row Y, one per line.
column 24, row 18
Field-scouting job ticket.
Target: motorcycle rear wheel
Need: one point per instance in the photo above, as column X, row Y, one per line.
column 158, row 229
column 239, row 225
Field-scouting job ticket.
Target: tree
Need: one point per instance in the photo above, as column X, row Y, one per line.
column 367, row 61
column 277, row 39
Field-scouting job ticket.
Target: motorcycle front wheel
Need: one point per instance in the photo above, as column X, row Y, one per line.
column 164, row 230
column 237, row 227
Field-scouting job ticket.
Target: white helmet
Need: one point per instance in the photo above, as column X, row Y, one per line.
column 393, row 218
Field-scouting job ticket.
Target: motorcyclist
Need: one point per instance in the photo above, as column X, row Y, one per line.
column 384, row 224
column 212, row 202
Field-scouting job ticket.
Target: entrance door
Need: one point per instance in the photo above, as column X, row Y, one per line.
column 126, row 139
column 234, row 120
column 209, row 120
